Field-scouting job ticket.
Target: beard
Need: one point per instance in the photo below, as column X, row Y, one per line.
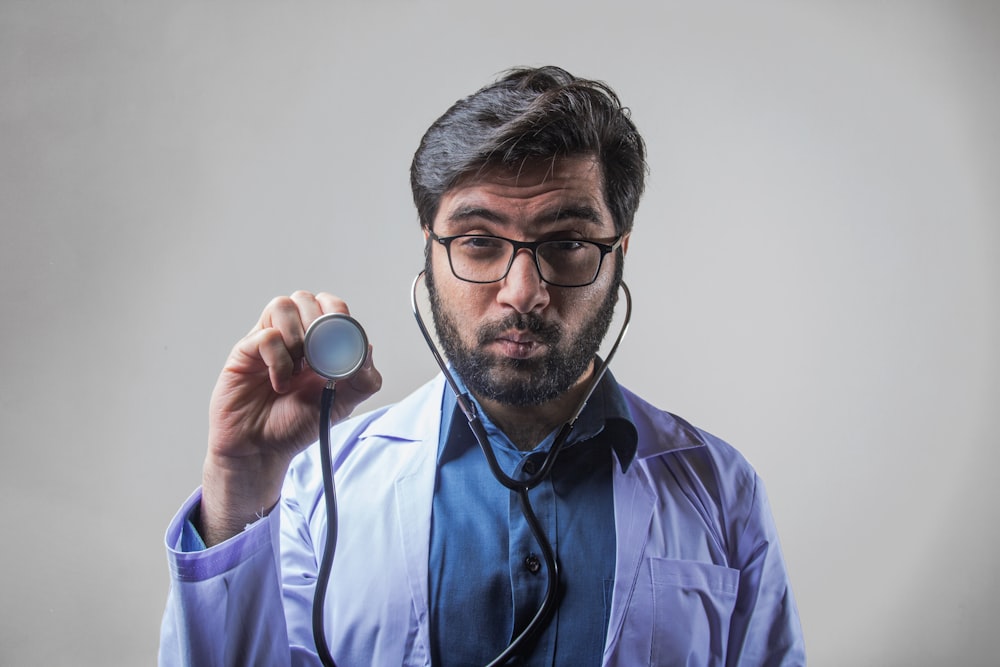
column 523, row 382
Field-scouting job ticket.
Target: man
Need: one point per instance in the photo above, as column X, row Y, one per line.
column 667, row 553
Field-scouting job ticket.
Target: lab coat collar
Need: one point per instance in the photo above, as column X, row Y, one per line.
column 410, row 419
column 606, row 412
column 658, row 432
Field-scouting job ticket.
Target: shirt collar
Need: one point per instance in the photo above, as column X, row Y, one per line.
column 606, row 416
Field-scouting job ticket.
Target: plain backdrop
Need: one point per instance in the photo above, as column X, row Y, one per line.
column 816, row 271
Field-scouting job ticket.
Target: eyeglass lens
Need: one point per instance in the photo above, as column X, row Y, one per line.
column 487, row 259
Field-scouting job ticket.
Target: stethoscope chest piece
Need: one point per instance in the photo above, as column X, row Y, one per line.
column 336, row 346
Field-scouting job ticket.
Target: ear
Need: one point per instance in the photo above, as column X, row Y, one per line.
column 426, row 231
column 625, row 243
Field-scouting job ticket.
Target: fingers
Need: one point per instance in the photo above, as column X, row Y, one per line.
column 358, row 388
column 279, row 335
column 331, row 304
column 281, row 364
column 368, row 380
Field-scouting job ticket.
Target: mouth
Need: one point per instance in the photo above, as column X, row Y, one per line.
column 517, row 345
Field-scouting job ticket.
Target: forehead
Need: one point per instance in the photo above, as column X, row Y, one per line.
column 534, row 192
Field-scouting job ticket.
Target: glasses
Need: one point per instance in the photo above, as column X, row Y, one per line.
column 480, row 258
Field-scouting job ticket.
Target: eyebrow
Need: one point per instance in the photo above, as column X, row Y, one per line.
column 582, row 212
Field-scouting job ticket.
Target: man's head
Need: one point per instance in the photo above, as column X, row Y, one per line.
column 532, row 115
column 538, row 158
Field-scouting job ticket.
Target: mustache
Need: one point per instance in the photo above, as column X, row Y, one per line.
column 547, row 333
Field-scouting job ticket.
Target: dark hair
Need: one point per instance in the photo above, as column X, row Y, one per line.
column 531, row 114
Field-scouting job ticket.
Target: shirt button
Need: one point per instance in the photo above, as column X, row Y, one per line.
column 532, row 564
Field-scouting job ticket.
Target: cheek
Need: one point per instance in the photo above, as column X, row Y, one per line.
column 575, row 304
column 459, row 296
column 465, row 304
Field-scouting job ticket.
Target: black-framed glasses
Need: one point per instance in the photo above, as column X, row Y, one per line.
column 481, row 258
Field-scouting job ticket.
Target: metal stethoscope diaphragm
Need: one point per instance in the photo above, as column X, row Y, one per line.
column 336, row 346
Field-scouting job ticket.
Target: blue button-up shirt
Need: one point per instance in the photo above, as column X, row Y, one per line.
column 487, row 576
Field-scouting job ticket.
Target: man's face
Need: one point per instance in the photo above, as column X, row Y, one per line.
column 520, row 341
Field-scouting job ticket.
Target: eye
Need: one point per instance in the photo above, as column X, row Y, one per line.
column 480, row 246
column 566, row 247
column 479, row 242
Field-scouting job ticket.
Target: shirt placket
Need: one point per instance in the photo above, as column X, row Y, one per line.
column 528, row 575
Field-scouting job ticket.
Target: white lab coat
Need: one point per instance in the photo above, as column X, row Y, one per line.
column 699, row 577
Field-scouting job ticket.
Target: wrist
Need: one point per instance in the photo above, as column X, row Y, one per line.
column 235, row 495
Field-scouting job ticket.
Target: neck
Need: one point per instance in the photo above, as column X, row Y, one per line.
column 527, row 425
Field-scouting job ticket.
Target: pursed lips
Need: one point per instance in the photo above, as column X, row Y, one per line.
column 517, row 344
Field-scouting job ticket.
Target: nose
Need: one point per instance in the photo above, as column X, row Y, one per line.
column 523, row 288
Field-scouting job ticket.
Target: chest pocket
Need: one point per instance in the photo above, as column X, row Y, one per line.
column 692, row 605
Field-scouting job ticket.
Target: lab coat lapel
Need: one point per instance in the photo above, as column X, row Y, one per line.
column 636, row 501
column 634, row 506
column 418, row 419
column 414, row 499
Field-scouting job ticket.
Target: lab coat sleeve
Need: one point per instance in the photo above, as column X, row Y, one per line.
column 765, row 630
column 225, row 606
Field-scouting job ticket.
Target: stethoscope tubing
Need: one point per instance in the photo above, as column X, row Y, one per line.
column 476, row 424
column 330, row 545
column 520, row 486
column 523, row 486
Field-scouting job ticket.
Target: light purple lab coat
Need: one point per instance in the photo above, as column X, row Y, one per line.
column 699, row 575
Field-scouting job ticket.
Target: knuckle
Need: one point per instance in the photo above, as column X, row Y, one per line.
column 279, row 304
column 332, row 302
column 271, row 339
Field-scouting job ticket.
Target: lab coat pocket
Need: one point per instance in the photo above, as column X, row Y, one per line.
column 692, row 605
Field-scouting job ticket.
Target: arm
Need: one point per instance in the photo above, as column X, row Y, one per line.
column 225, row 604
column 264, row 410
column 765, row 627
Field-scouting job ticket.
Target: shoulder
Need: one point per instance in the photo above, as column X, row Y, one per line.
column 662, row 433
column 671, row 446
column 396, row 432
column 704, row 472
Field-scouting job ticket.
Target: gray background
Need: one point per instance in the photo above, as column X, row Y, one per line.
column 815, row 271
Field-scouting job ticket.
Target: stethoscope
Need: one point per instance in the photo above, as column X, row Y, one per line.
column 335, row 347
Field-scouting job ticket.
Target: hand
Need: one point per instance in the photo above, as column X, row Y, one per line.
column 265, row 410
